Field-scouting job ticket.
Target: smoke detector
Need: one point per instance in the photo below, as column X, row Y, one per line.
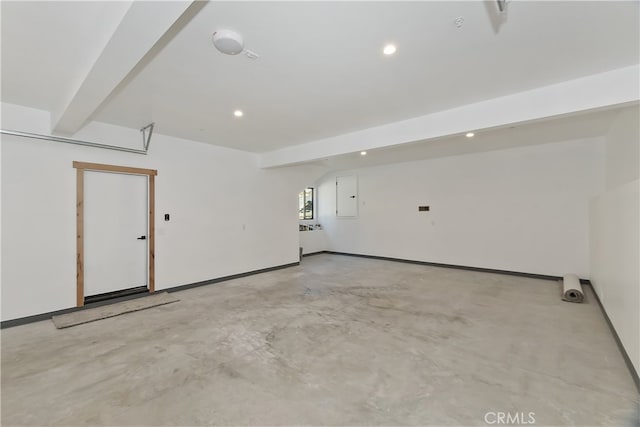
column 231, row 43
column 228, row 42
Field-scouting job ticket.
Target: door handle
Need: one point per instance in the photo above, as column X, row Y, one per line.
column 142, row 238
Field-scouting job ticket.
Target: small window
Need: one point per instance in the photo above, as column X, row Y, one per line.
column 305, row 204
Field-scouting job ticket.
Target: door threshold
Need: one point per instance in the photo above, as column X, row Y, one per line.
column 115, row 294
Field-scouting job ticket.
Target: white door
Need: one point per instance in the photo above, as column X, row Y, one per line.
column 347, row 196
column 115, row 221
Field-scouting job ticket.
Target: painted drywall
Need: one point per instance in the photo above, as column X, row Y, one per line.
column 313, row 241
column 228, row 216
column 615, row 256
column 598, row 91
column 0, row 227
column 623, row 149
column 615, row 234
column 522, row 209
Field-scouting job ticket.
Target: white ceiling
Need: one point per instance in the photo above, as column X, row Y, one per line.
column 47, row 45
column 321, row 72
column 573, row 127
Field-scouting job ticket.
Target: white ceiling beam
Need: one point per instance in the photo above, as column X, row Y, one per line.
column 141, row 28
column 599, row 91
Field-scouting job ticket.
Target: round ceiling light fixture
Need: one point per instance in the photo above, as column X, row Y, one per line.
column 228, row 42
column 238, row 113
column 470, row 135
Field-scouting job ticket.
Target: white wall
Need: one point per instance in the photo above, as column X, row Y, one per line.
column 615, row 257
column 623, row 149
column 523, row 209
column 227, row 215
column 615, row 233
column 313, row 241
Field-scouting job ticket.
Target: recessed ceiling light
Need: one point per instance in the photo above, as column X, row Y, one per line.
column 238, row 113
column 363, row 153
column 470, row 134
column 389, row 49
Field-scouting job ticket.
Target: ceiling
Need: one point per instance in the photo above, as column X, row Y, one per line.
column 321, row 70
column 573, row 127
column 46, row 45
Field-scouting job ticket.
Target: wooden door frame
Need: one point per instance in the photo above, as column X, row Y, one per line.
column 81, row 167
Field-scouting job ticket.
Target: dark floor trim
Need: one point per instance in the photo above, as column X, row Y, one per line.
column 625, row 356
column 314, row 253
column 457, row 267
column 46, row 316
column 225, row 278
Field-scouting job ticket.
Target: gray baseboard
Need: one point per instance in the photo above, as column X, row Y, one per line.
column 226, row 278
column 46, row 316
column 455, row 266
column 623, row 351
column 314, row 253
column 625, row 356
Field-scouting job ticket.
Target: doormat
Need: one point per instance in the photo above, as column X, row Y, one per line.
column 103, row 312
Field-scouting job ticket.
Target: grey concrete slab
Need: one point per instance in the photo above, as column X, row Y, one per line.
column 335, row 341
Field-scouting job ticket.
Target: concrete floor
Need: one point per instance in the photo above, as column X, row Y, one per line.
column 335, row 341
